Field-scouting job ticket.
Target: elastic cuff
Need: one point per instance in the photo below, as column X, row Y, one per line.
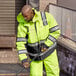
column 25, row 60
column 44, row 45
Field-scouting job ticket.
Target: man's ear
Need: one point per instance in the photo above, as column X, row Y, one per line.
column 21, row 13
column 31, row 12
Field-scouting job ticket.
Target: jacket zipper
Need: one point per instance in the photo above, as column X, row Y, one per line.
column 35, row 28
column 37, row 36
column 36, row 31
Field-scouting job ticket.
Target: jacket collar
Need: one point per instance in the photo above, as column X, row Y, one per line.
column 20, row 18
column 36, row 16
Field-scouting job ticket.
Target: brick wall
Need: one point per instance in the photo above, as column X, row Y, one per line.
column 8, row 56
column 9, row 9
column 7, row 17
column 8, row 53
column 44, row 3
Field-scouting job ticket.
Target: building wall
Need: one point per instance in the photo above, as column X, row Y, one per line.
column 68, row 3
column 9, row 10
column 44, row 3
column 8, row 56
column 7, row 17
column 34, row 4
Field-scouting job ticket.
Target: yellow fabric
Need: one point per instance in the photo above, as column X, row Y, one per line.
column 22, row 56
column 33, row 36
column 50, row 64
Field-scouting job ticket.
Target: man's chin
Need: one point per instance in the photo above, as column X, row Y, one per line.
column 28, row 20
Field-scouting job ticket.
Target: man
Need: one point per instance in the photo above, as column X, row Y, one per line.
column 37, row 34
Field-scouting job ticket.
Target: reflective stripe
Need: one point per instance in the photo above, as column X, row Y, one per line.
column 44, row 18
column 42, row 41
column 22, row 51
column 33, row 44
column 19, row 39
column 46, row 53
column 53, row 46
column 54, row 29
column 52, row 38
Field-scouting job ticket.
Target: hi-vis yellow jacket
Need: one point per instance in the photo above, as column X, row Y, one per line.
column 42, row 29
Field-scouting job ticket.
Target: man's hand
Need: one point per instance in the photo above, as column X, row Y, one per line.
column 26, row 64
column 43, row 49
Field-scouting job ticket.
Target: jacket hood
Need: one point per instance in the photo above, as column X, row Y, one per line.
column 21, row 19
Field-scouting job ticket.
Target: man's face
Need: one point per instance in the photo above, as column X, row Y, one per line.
column 27, row 15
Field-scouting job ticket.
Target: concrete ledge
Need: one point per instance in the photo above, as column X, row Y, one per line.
column 69, row 44
column 12, row 69
column 7, row 42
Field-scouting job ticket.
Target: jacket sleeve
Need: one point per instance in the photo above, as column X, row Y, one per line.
column 54, row 31
column 21, row 41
